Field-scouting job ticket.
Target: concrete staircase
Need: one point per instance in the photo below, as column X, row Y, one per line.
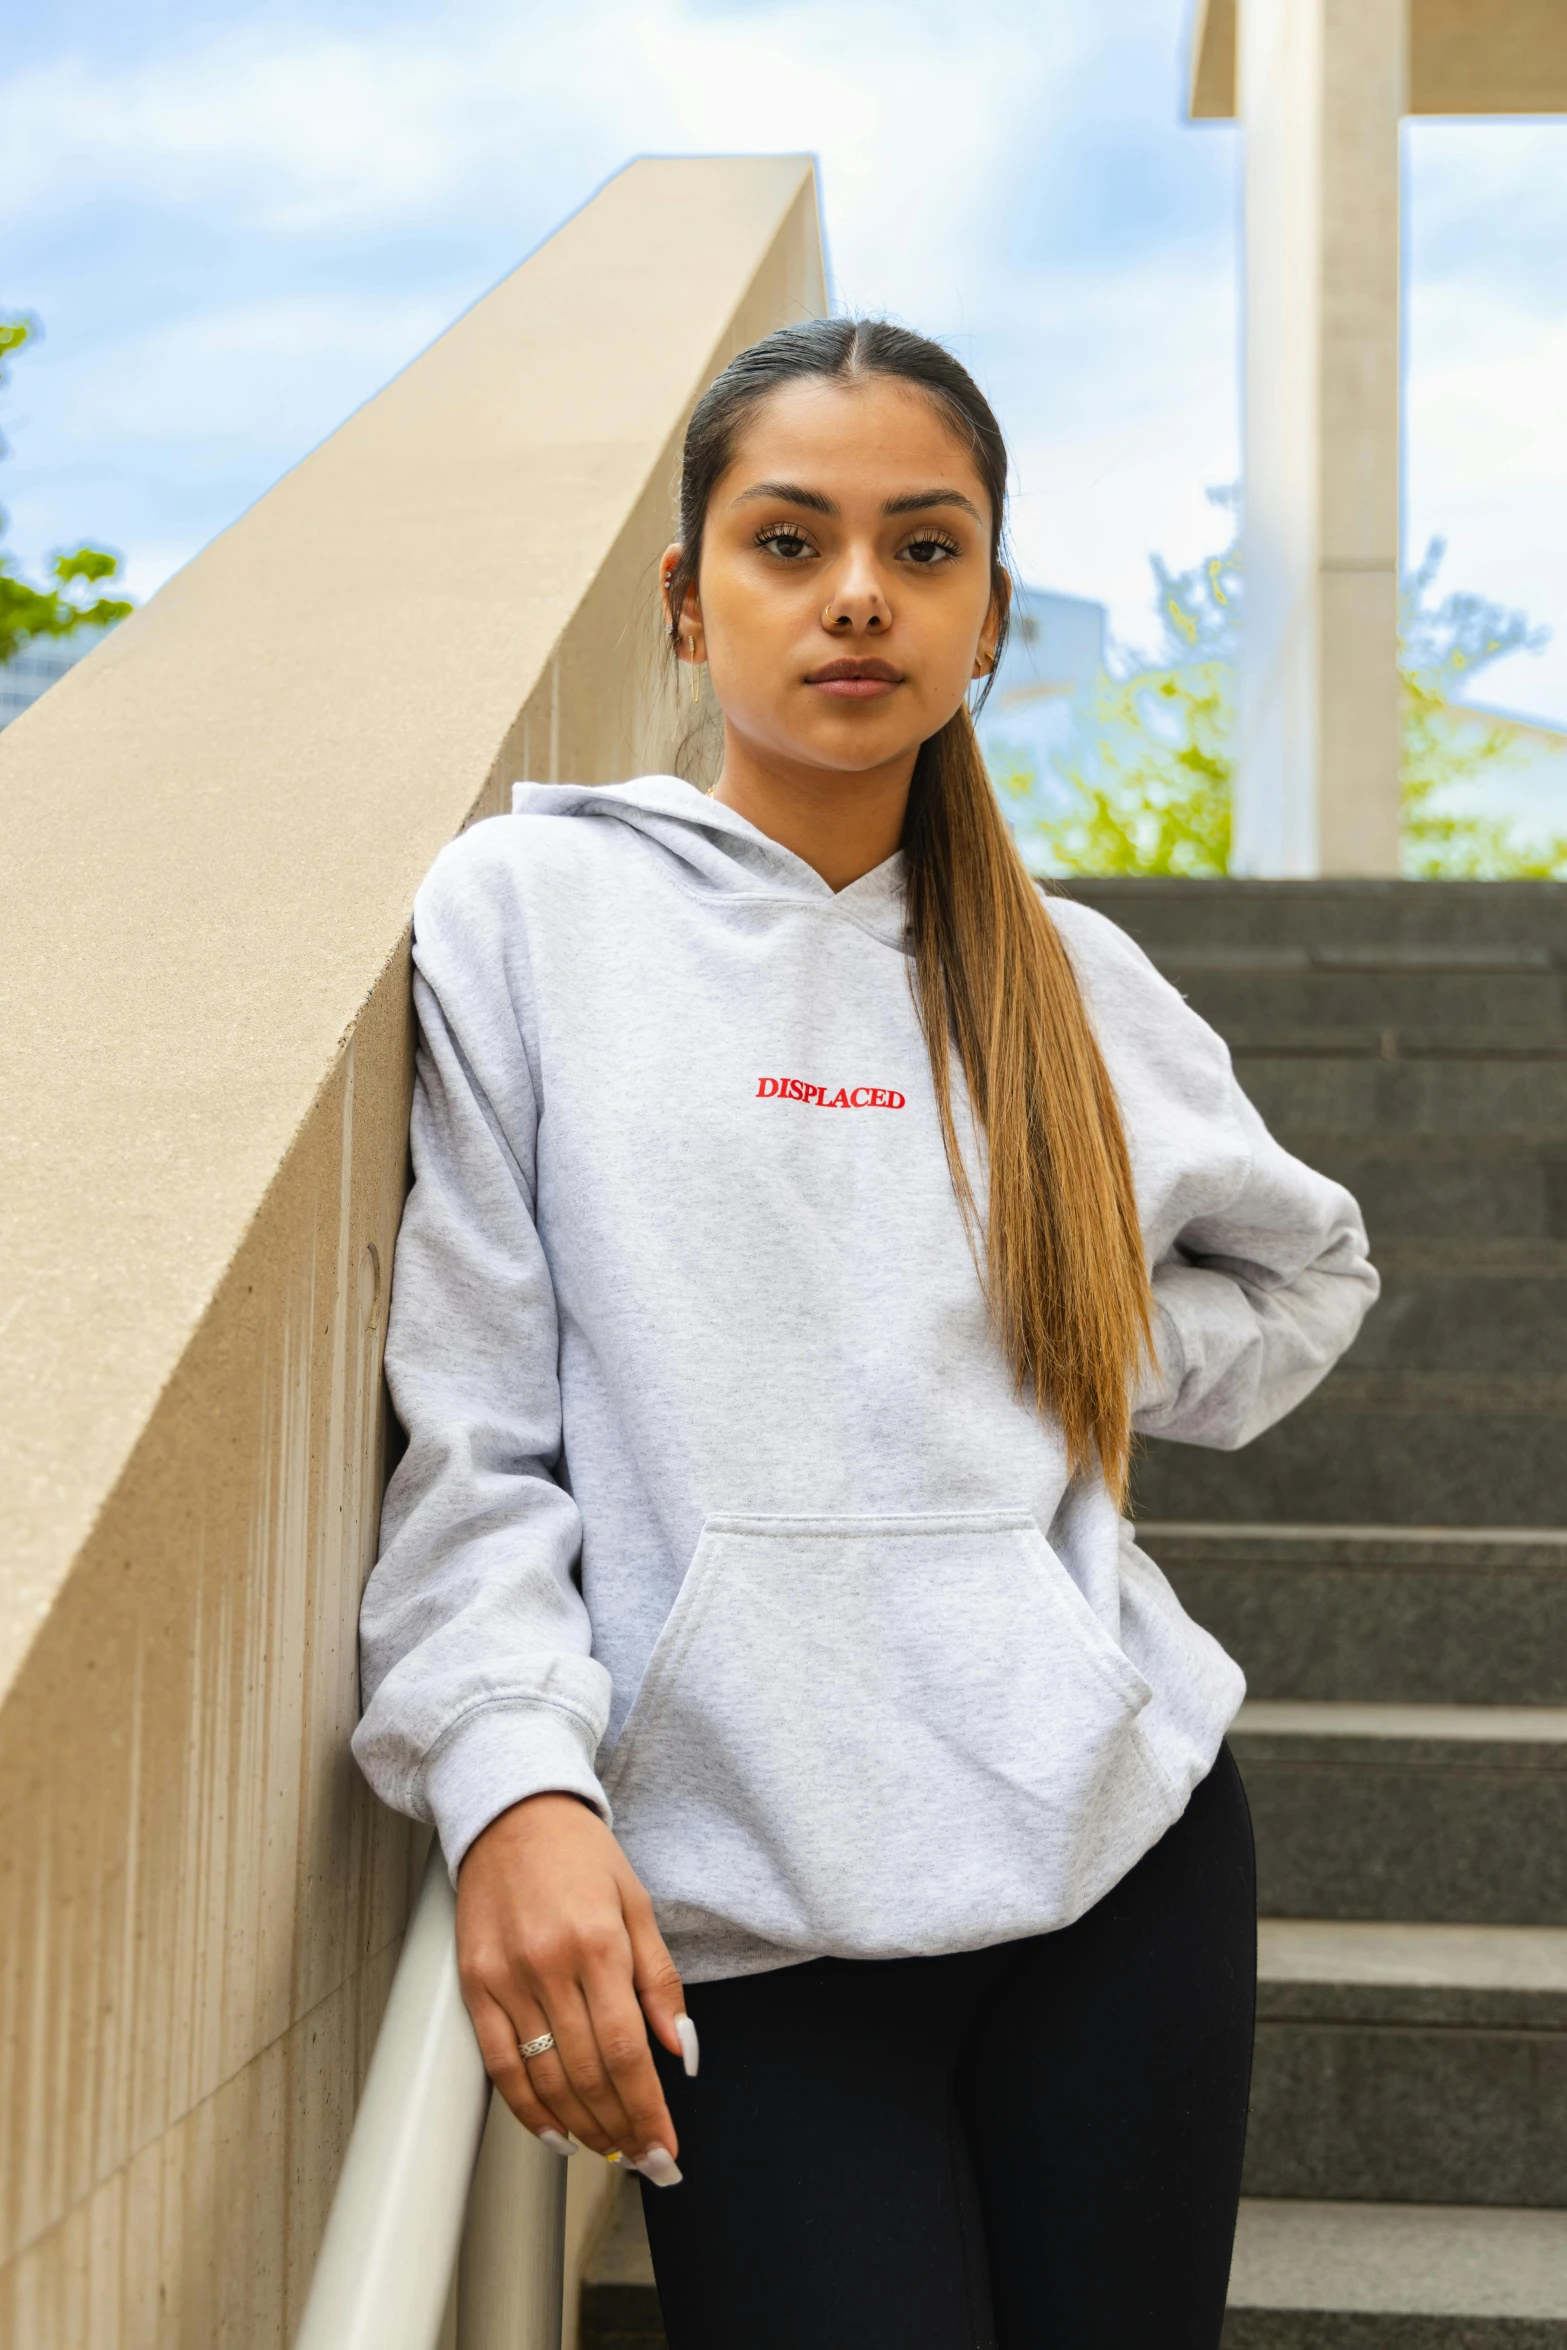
column 1390, row 1566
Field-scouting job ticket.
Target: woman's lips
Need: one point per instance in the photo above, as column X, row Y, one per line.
column 856, row 681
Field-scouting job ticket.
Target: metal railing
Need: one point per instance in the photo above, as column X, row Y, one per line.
column 443, row 2197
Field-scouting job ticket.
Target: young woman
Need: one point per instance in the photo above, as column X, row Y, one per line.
column 807, row 1210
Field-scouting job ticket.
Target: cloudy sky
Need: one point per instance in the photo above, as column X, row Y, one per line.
column 237, row 221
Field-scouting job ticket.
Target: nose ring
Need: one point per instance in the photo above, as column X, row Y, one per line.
column 873, row 619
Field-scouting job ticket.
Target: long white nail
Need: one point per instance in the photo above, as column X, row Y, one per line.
column 659, row 2165
column 556, row 2143
column 690, row 2052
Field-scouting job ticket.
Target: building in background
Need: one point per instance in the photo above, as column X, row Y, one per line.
column 1055, row 649
column 40, row 663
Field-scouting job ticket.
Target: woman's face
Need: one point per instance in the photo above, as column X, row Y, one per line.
column 845, row 599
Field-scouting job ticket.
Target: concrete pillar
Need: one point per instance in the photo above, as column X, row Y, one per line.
column 1322, row 87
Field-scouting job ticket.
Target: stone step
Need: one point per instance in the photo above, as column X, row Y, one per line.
column 1471, row 1190
column 1368, row 2276
column 1532, row 1041
column 1407, row 1447
column 1293, row 1001
column 1402, row 2063
column 1446, row 1095
column 1477, row 1309
column 1445, row 918
column 1416, row 1615
column 1438, row 1813
column 1306, row 2276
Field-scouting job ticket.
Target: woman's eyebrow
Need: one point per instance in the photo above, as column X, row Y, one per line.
column 919, row 501
column 790, row 493
column 787, row 493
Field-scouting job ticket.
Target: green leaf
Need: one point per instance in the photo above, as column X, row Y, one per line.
column 26, row 611
column 1149, row 764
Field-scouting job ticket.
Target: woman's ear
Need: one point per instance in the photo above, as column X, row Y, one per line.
column 690, row 634
column 667, row 565
column 990, row 634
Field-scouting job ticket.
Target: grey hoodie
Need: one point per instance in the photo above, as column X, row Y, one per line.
column 719, row 1507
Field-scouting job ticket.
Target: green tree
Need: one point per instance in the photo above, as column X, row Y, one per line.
column 1443, row 646
column 1149, row 763
column 26, row 611
column 1149, row 760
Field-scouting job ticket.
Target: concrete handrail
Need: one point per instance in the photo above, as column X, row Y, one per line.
column 385, row 2267
column 445, row 2208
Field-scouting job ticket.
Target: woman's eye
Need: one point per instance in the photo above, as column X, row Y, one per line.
column 790, row 544
column 927, row 552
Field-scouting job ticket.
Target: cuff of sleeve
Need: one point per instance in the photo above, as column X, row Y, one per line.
column 499, row 1755
column 1161, row 1382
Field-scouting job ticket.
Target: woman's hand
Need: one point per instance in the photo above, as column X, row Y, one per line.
column 555, row 1934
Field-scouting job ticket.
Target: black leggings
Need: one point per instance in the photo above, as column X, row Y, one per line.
column 1033, row 2147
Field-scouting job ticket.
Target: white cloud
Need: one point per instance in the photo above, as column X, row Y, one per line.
column 1486, row 365
column 320, row 133
column 304, row 131
column 215, row 371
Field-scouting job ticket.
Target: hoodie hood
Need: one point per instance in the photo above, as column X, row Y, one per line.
column 718, row 849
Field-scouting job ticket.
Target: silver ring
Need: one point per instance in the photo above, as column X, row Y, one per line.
column 539, row 2047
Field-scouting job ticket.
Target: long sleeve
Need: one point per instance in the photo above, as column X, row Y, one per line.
column 477, row 1676
column 1260, row 1271
column 1256, row 1301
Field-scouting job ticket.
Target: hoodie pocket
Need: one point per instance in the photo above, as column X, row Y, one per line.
column 882, row 1736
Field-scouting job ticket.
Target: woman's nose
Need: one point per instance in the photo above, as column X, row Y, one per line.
column 852, row 609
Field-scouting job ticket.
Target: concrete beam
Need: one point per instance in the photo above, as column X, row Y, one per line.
column 1210, row 90
column 1465, row 57
column 1487, row 57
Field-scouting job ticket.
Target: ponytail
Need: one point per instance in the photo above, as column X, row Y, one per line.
column 1064, row 1273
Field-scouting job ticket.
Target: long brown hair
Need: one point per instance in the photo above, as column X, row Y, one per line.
column 1065, row 1277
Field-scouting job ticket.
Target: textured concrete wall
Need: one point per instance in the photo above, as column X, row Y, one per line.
column 210, row 835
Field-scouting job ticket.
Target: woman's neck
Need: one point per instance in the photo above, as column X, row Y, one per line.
column 842, row 825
